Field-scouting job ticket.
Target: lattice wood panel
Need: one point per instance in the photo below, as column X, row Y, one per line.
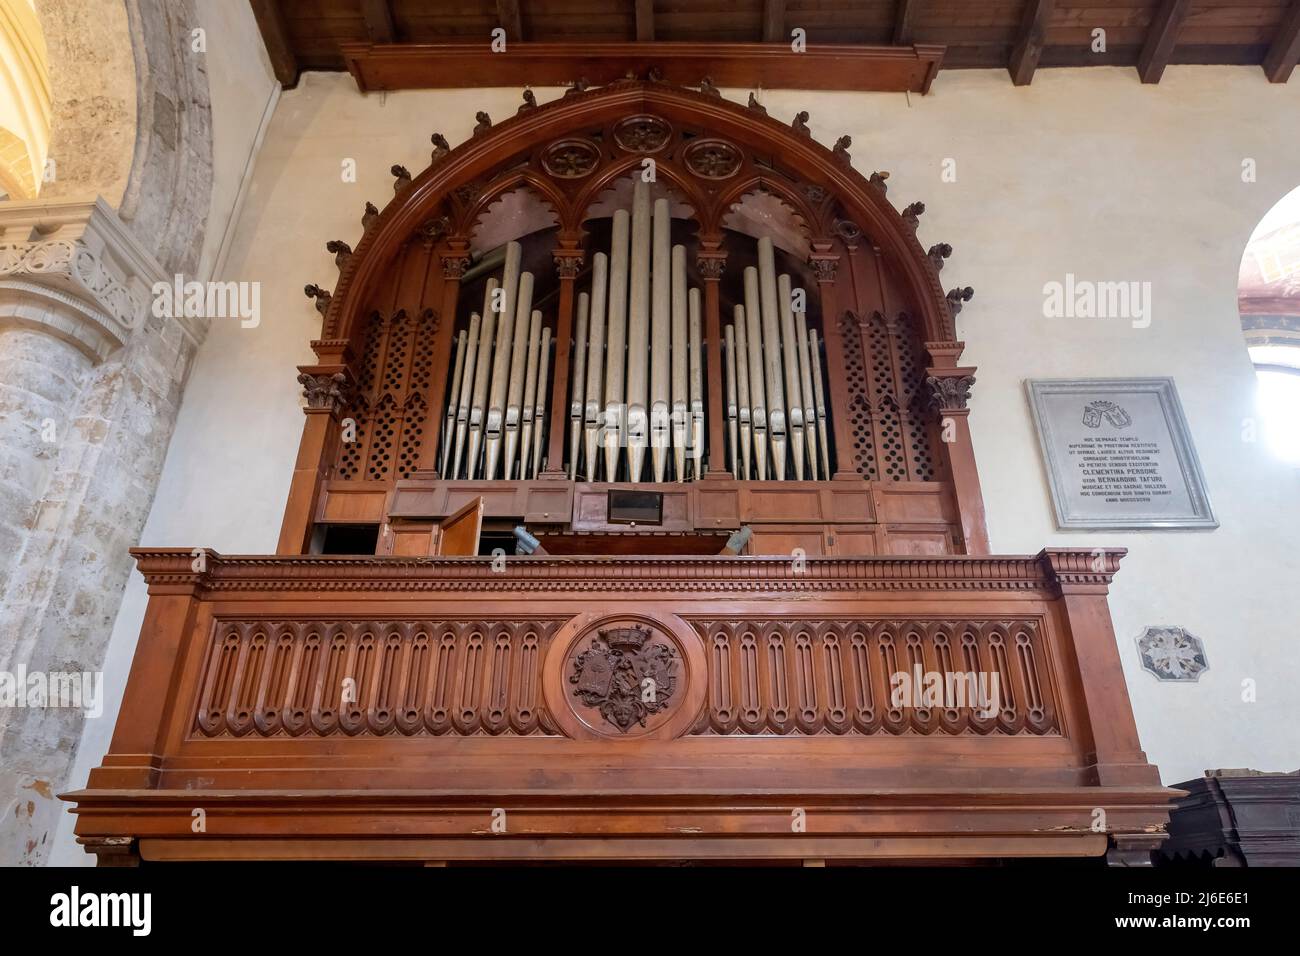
column 391, row 407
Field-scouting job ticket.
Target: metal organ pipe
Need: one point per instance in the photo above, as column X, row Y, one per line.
column 495, row 420
column 530, row 390
column 616, row 341
column 776, row 423
column 805, row 387
column 453, row 401
column 823, row 426
column 539, row 404
column 595, row 366
column 745, row 411
column 729, row 334
column 661, row 302
column 696, row 391
column 467, row 383
column 579, row 376
column 481, row 372
column 638, row 330
column 757, row 395
column 793, row 385
column 679, row 378
column 515, row 379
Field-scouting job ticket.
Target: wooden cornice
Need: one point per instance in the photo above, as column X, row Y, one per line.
column 167, row 569
column 407, row 66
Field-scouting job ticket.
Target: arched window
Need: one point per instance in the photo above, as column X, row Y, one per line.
column 1268, row 292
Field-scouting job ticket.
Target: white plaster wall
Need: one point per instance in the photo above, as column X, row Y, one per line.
column 1085, row 171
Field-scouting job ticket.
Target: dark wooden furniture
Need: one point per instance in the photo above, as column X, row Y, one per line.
column 635, row 694
column 1236, row 818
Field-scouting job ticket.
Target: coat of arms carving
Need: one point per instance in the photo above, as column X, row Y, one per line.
column 626, row 675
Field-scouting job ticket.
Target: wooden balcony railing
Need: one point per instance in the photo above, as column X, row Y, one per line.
column 671, row 708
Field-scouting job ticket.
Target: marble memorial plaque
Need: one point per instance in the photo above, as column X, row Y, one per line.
column 1119, row 454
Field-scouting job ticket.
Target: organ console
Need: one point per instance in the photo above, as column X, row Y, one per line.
column 752, row 345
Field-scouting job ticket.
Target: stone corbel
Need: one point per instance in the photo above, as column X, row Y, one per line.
column 83, row 273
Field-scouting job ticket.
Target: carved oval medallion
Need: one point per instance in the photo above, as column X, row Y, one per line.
column 712, row 158
column 626, row 673
column 571, row 158
column 642, row 134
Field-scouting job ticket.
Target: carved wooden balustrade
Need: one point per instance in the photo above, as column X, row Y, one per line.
column 671, row 708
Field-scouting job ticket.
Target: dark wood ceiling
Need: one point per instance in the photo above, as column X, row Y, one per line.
column 1017, row 34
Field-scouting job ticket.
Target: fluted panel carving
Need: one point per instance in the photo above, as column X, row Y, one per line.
column 321, row 678
column 782, row 676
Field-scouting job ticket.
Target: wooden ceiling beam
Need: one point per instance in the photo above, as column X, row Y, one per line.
column 645, row 20
column 1285, row 49
column 275, row 36
column 416, row 66
column 905, row 21
column 511, row 18
column 379, row 21
column 1029, row 43
column 773, row 20
column 1162, row 37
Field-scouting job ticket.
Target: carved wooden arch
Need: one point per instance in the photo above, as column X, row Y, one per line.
column 481, row 156
column 506, row 183
column 809, row 219
column 624, row 165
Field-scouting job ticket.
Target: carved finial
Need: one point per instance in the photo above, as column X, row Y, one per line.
column 580, row 85
column 877, row 179
column 912, row 213
column 956, row 297
column 530, row 103
column 403, row 178
column 708, row 89
column 800, row 123
column 341, row 252
column 369, row 216
column 484, row 123
column 322, row 297
column 755, row 105
column 938, row 253
column 841, row 149
column 440, row 149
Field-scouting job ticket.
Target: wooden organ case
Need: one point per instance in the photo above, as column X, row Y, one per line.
column 630, row 323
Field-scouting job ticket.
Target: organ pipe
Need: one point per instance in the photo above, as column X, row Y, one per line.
column 823, row 426
column 529, row 397
column 579, row 376
column 733, row 432
column 497, row 392
column 467, row 383
column 638, row 331
column 776, row 423
column 805, row 386
column 616, row 342
column 757, row 396
column 696, row 391
column 745, row 411
column 680, row 367
column 539, row 404
column 486, row 337
column 793, row 385
column 453, row 401
column 515, row 380
column 595, row 364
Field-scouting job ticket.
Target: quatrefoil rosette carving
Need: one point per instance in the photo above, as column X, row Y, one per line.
column 571, row 158
column 642, row 134
column 712, row 158
column 625, row 676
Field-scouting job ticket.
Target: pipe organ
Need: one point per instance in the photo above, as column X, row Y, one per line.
column 569, row 431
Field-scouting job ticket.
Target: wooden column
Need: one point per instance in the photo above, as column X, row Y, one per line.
column 455, row 260
column 327, row 388
column 825, row 266
column 950, row 387
column 568, row 263
column 710, row 264
column 1083, row 575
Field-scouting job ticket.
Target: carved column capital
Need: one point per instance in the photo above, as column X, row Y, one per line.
column 454, row 264
column 711, row 265
column 95, row 279
column 326, row 390
column 949, row 388
column 824, row 266
column 569, row 262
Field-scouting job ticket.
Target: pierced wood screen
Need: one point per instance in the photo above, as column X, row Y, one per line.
column 888, row 417
column 391, row 408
